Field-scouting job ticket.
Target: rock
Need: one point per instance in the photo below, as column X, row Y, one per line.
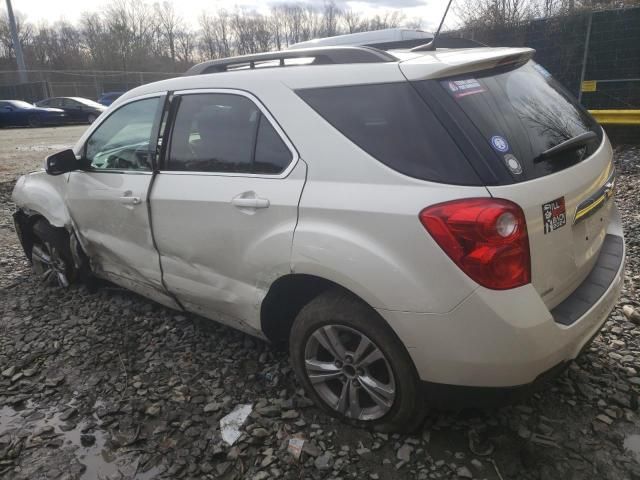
column 67, row 414
column 289, row 414
column 269, row 411
column 632, row 314
column 87, row 440
column 324, row 461
column 54, row 381
column 311, row 449
column 404, row 452
column 153, row 410
column 604, row 419
column 9, row 372
column 260, row 432
column 464, row 472
column 222, row 468
column 212, row 407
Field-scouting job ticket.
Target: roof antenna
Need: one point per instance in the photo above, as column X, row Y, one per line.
column 431, row 46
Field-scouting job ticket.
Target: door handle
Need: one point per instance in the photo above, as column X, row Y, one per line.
column 130, row 200
column 250, row 202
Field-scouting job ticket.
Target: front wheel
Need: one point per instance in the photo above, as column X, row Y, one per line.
column 51, row 255
column 34, row 121
column 353, row 366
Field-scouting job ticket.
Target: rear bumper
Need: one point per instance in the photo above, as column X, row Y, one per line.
column 507, row 339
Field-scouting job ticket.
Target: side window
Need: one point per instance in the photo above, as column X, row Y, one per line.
column 224, row 133
column 272, row 155
column 395, row 126
column 122, row 141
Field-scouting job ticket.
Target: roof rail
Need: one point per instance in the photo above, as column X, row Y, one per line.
column 320, row 55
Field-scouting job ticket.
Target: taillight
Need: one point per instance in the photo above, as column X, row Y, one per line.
column 486, row 237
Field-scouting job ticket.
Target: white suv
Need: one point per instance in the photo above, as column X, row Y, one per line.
column 416, row 225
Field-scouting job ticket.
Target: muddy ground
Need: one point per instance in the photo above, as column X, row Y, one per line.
column 106, row 384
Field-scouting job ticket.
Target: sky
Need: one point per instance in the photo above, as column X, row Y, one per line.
column 429, row 11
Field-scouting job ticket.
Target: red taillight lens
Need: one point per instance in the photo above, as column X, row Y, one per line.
column 486, row 237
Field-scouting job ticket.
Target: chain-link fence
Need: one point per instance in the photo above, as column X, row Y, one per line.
column 596, row 55
column 73, row 83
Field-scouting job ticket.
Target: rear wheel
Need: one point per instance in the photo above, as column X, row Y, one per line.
column 34, row 121
column 51, row 256
column 353, row 366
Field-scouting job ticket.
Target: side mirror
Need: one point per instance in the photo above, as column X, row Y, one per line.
column 62, row 162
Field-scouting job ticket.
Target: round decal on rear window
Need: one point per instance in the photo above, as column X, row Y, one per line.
column 499, row 143
column 513, row 164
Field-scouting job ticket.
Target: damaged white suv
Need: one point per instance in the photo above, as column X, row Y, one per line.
column 418, row 226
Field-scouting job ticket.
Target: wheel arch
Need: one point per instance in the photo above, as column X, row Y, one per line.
column 288, row 295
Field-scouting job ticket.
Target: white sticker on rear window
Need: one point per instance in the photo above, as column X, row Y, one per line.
column 462, row 88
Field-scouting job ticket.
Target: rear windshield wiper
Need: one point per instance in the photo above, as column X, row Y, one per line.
column 570, row 144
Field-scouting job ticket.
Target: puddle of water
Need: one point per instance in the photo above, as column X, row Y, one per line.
column 632, row 444
column 100, row 462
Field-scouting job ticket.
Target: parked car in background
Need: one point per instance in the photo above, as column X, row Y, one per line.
column 78, row 110
column 108, row 98
column 16, row 113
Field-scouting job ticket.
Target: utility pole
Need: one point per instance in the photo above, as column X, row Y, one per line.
column 22, row 69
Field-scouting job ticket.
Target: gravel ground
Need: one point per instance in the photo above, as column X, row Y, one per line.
column 106, row 384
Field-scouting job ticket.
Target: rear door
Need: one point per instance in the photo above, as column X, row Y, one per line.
column 74, row 110
column 550, row 157
column 225, row 204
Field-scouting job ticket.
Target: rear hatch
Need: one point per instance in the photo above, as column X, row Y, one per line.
column 533, row 144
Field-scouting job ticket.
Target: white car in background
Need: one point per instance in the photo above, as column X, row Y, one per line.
column 420, row 227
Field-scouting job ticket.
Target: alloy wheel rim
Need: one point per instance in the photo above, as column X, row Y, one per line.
column 349, row 372
column 49, row 265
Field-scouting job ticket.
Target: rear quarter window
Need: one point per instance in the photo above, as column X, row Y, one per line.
column 394, row 125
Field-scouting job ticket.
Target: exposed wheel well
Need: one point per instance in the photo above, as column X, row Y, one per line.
column 77, row 255
column 26, row 224
column 285, row 299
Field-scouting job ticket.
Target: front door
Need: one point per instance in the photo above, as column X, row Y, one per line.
column 108, row 201
column 224, row 205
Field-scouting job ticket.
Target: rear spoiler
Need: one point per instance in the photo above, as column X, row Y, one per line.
column 450, row 63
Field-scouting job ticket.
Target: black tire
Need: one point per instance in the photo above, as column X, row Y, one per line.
column 338, row 309
column 34, row 121
column 54, row 243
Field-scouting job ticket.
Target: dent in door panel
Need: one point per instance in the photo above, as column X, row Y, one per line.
column 218, row 260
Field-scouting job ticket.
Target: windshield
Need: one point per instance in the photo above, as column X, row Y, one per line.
column 87, row 102
column 19, row 104
column 522, row 113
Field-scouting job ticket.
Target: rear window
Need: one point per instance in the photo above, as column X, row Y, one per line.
column 393, row 124
column 522, row 114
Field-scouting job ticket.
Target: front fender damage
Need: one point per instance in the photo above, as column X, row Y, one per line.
column 24, row 220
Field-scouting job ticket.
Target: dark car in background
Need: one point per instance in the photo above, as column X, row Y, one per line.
column 108, row 98
column 78, row 110
column 16, row 113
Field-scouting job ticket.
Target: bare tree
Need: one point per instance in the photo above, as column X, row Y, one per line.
column 353, row 21
column 145, row 35
column 169, row 23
